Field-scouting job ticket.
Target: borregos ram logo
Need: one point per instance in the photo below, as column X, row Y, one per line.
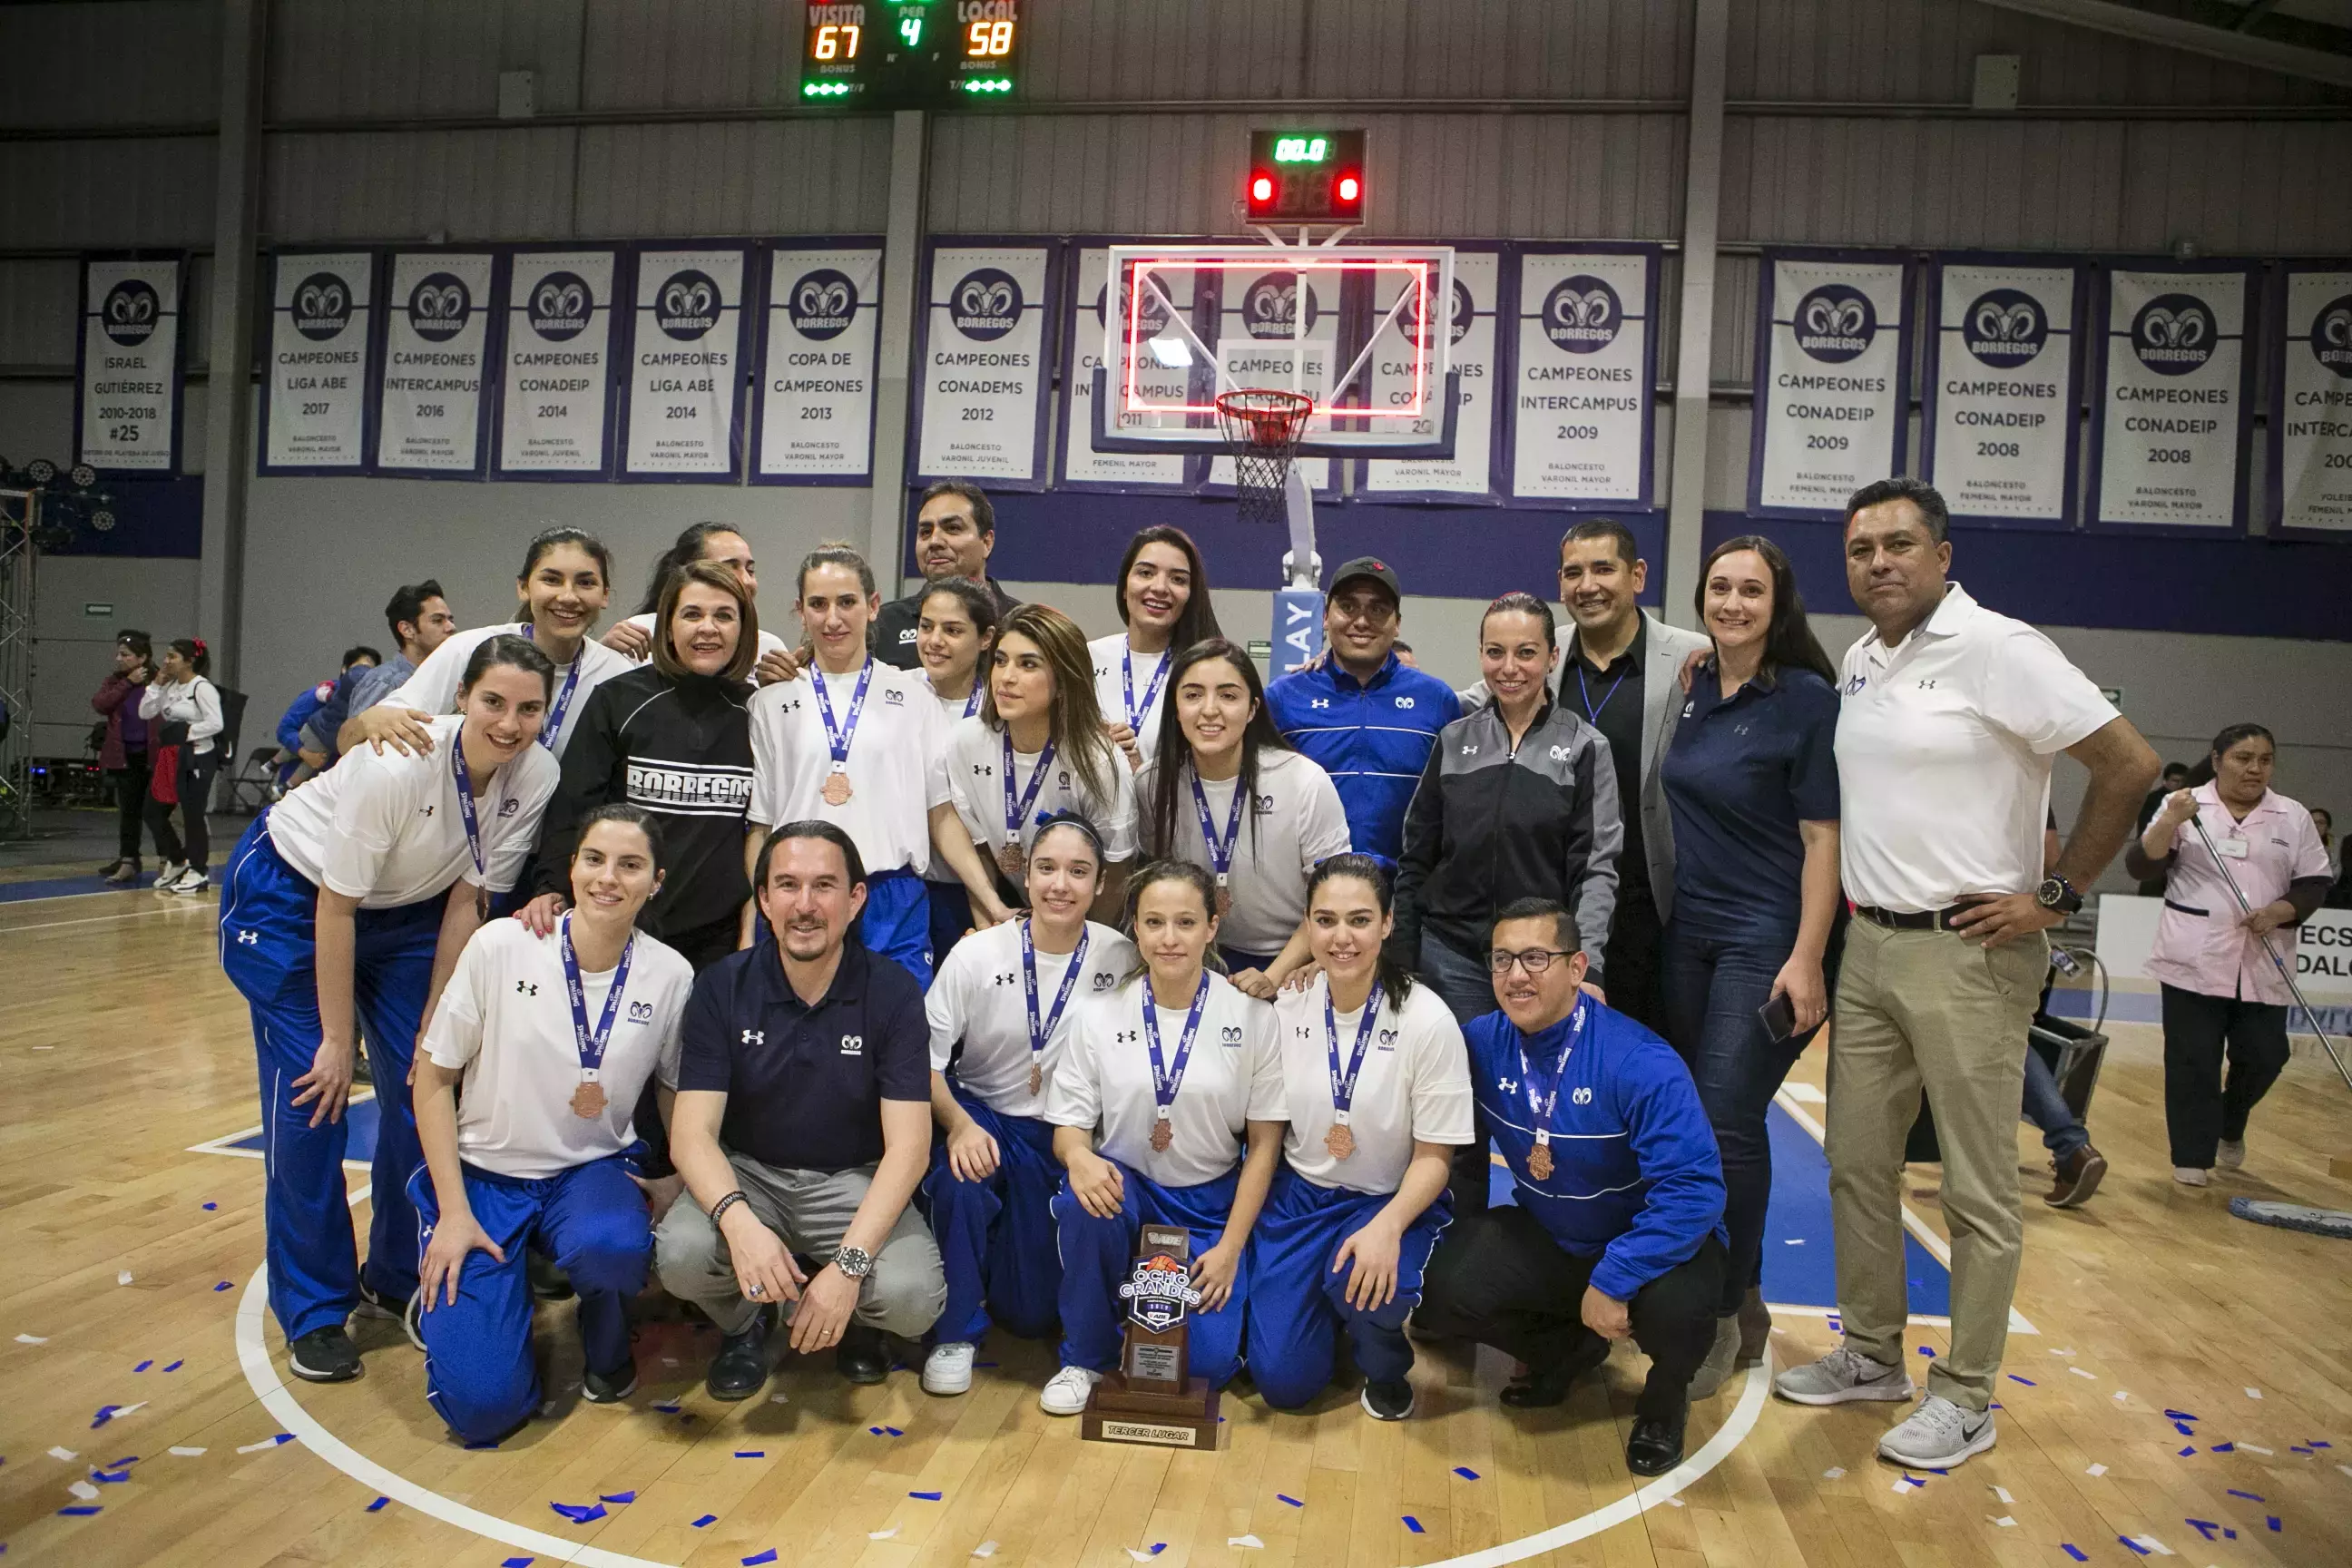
column 2174, row 335
column 1457, row 327
column 1582, row 314
column 1278, row 306
column 2004, row 327
column 1835, row 323
column 686, row 307
column 438, row 307
column 560, row 307
column 129, row 315
column 2331, row 336
column 986, row 304
column 1152, row 313
column 322, row 307
column 822, row 305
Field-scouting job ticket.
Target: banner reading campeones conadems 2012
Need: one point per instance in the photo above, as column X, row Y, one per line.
column 127, row 415
column 2168, row 426
column 1832, row 340
column 314, row 395
column 555, row 387
column 1997, row 430
column 981, row 394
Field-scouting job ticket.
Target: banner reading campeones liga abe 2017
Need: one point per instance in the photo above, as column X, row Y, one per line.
column 1832, row 360
column 983, row 373
column 2168, row 427
column 556, row 383
column 315, row 396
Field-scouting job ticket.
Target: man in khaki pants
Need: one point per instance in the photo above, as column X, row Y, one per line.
column 1950, row 719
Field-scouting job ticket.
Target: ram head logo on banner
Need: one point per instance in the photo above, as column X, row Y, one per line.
column 560, row 307
column 2331, row 336
column 322, row 306
column 1835, row 323
column 1272, row 307
column 2004, row 327
column 130, row 314
column 1582, row 314
column 687, row 307
column 986, row 305
column 822, row 304
column 438, row 307
column 2174, row 335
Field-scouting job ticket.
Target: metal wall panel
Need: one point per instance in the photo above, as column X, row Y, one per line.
column 1118, row 51
column 373, row 58
column 385, row 185
column 37, row 313
column 101, row 194
column 1499, row 48
column 1733, row 354
column 790, row 176
column 152, row 63
column 715, row 54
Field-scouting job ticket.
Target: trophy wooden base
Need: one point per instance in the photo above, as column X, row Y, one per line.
column 1116, row 1414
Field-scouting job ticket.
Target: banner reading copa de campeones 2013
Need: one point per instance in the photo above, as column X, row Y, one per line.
column 127, row 410
column 2170, row 422
column 314, row 392
column 1833, row 363
column 1997, row 422
column 433, row 397
column 981, row 387
column 2311, row 401
column 814, row 419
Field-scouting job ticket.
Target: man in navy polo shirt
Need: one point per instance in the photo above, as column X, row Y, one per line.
column 1362, row 714
column 802, row 1126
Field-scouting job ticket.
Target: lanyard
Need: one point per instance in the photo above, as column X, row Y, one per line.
column 1221, row 851
column 838, row 739
column 592, row 1047
column 471, row 823
column 1343, row 1085
column 971, row 703
column 1039, row 1033
column 1542, row 1108
column 1016, row 808
column 1591, row 712
column 1150, row 690
column 1165, row 1079
column 553, row 725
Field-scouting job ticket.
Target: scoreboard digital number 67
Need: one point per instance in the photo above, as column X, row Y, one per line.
column 910, row 53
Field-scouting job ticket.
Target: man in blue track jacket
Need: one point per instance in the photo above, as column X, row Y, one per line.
column 1617, row 1230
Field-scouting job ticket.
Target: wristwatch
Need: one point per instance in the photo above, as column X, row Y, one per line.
column 2057, row 893
column 855, row 1262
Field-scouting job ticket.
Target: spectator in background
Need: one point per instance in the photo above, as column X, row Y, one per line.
column 955, row 532
column 2175, row 777
column 2324, row 820
column 294, row 763
column 184, row 711
column 124, row 753
column 421, row 621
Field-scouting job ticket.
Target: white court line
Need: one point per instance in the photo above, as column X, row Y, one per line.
column 92, row 920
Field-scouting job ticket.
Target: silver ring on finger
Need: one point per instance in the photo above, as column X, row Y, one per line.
column 756, row 1290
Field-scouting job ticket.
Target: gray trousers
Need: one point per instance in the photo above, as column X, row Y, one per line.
column 808, row 1210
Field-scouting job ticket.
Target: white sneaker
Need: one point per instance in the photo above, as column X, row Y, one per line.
column 1842, row 1375
column 2231, row 1154
column 1068, row 1392
column 948, row 1368
column 1938, row 1435
column 191, row 881
column 2190, row 1176
column 167, row 874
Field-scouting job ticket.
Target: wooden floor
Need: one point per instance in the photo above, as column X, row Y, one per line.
column 130, row 1259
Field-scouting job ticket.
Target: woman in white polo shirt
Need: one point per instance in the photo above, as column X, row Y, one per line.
column 552, row 1038
column 1159, row 1084
column 954, row 626
column 2221, row 990
column 1377, row 1084
column 348, row 903
column 1163, row 601
column 1000, row 1011
column 1226, row 791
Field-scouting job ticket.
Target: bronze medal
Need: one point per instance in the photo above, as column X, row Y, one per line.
column 1036, row 1080
column 1224, row 900
column 588, row 1101
column 1164, row 1133
column 1009, row 860
column 1340, row 1141
column 836, row 791
column 1539, row 1162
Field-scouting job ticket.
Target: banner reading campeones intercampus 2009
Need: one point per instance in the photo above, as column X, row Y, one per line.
column 982, row 387
column 1581, row 417
column 1998, row 429
column 556, row 384
column 1832, row 358
column 2311, row 401
column 432, row 414
column 685, row 393
column 2169, row 426
column 814, row 422
column 127, row 418
column 314, row 397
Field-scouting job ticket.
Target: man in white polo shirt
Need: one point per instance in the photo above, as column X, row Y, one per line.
column 1950, row 719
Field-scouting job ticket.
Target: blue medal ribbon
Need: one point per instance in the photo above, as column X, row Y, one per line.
column 1165, row 1079
column 1221, row 851
column 553, row 725
column 1343, row 1084
column 1541, row 1109
column 1039, row 1033
column 592, row 1047
column 1016, row 808
column 971, row 703
column 837, row 739
column 471, row 821
column 1150, row 690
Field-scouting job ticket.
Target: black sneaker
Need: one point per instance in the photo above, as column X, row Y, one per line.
column 324, row 1355
column 548, row 1283
column 361, row 1071
column 1656, row 1446
column 862, row 1356
column 597, row 1388
column 740, row 1368
column 1387, row 1401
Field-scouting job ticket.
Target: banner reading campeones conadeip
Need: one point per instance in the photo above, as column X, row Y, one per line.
column 984, row 374
column 814, row 420
column 1832, row 360
column 314, row 397
column 1581, row 413
column 1468, row 322
column 555, row 387
column 1998, row 431
column 2168, row 426
column 127, row 419
column 431, row 413
column 2311, row 402
column 685, row 391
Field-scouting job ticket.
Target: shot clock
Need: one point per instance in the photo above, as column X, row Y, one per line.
column 910, row 53
column 1306, row 176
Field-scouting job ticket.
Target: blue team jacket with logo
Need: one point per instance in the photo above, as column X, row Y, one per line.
column 1635, row 1176
column 1373, row 737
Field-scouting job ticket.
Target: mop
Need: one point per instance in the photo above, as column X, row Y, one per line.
column 2264, row 1211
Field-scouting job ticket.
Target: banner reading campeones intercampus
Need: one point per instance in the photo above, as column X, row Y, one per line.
column 1468, row 322
column 555, row 388
column 2169, row 426
column 315, row 396
column 2311, row 402
column 1582, row 416
column 982, row 390
column 1997, row 431
column 1161, row 374
column 432, row 411
column 1832, row 357
column 685, row 391
column 127, row 417
column 814, row 419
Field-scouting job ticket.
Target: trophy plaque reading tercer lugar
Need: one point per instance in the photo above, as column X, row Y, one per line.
column 1153, row 1398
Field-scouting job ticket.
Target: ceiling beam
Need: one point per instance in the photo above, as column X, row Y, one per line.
column 2169, row 32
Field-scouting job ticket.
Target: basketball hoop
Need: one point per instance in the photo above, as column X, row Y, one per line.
column 1261, row 426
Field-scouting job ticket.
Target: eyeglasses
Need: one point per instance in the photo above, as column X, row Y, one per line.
column 1535, row 960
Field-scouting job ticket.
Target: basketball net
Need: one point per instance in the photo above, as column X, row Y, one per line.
column 1261, row 426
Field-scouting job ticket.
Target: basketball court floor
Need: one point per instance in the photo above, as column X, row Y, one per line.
column 2178, row 1383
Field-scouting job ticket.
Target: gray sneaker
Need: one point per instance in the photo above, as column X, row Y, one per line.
column 1840, row 1376
column 1938, row 1435
column 1720, row 1358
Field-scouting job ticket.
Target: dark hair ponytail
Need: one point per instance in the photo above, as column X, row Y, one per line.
column 1395, row 980
column 2221, row 742
column 686, row 549
column 506, row 649
column 192, row 649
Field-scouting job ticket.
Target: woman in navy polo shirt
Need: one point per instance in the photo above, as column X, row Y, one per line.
column 1751, row 780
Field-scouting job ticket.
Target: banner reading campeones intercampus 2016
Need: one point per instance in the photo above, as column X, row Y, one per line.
column 1582, row 419
column 556, row 378
column 432, row 412
column 2311, row 401
column 814, row 422
column 1468, row 322
column 314, row 395
column 982, row 387
column 127, row 417
column 1997, row 431
column 2169, row 424
column 1833, row 360
column 684, row 397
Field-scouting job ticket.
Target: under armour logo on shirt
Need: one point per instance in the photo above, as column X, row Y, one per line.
column 1129, row 1036
column 1320, row 702
column 853, row 1044
column 1926, row 686
column 1004, row 979
column 1581, row 1097
column 1469, row 751
column 755, row 1037
column 525, row 988
column 1507, row 1085
column 248, row 939
column 429, row 811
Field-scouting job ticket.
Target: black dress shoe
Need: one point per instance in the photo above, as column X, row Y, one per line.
column 862, row 1357
column 1541, row 1387
column 740, row 1368
column 1656, row 1446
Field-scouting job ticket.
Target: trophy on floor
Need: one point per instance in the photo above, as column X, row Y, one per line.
column 1153, row 1398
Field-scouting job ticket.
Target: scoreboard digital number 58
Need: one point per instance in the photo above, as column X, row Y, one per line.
column 910, row 53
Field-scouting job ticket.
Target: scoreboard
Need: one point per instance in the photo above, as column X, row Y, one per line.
column 912, row 54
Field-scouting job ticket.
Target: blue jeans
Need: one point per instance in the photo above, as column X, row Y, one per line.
column 1714, row 987
column 2062, row 1134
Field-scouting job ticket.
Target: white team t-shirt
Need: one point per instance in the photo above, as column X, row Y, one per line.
column 386, row 829
column 432, row 688
column 893, row 776
column 1233, row 1077
column 1294, row 824
column 1944, row 751
column 505, row 1019
column 1414, row 1084
column 952, row 711
column 973, row 770
column 978, row 998
column 769, row 641
column 1111, row 663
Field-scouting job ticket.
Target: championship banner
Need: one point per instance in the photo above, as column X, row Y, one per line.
column 555, row 382
column 683, row 402
column 1583, row 418
column 1833, row 374
column 2311, row 402
column 981, row 402
column 1469, row 320
column 1081, row 467
column 127, row 415
column 2174, row 413
column 813, row 421
column 1266, row 321
column 433, row 408
column 314, row 399
column 1997, row 429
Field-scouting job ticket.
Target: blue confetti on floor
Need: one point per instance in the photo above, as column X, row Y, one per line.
column 706, row 1521
column 378, row 1506
column 1414, row 1525
column 1465, row 1472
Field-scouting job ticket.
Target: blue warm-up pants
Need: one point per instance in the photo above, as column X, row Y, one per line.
column 950, row 917
column 479, row 1369
column 996, row 1236
column 1097, row 1254
column 1297, row 1305
column 269, row 944
column 897, row 920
